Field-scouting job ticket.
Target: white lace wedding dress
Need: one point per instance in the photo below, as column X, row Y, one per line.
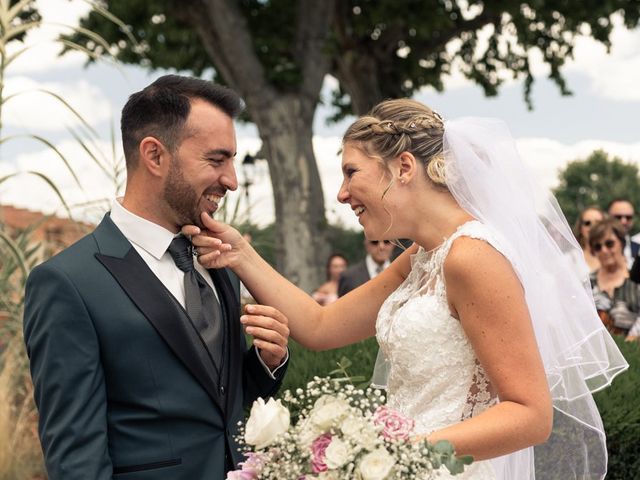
column 434, row 376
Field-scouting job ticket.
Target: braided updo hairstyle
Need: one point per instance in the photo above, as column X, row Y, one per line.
column 402, row 125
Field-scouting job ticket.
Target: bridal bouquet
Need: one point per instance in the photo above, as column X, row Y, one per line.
column 330, row 431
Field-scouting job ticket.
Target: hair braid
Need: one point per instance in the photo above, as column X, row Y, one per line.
column 396, row 126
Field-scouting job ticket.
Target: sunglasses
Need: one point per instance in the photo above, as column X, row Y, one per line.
column 607, row 243
column 628, row 218
column 376, row 242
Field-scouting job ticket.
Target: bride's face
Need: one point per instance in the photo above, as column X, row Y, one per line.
column 363, row 186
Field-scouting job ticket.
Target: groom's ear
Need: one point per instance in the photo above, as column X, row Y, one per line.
column 153, row 156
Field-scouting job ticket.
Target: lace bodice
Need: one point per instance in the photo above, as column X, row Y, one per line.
column 434, row 375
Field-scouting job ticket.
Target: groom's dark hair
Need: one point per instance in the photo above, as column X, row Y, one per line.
column 161, row 109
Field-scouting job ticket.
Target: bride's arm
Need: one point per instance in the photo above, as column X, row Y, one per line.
column 485, row 294
column 350, row 319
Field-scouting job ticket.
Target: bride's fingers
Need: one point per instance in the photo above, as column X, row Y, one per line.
column 210, row 259
column 212, row 225
column 190, row 230
column 206, row 241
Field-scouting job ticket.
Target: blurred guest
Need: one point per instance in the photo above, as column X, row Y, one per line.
column 377, row 259
column 622, row 210
column 328, row 292
column 587, row 218
column 616, row 296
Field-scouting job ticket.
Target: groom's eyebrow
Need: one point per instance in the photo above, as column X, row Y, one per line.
column 220, row 151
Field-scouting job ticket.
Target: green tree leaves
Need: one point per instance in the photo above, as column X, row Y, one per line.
column 596, row 180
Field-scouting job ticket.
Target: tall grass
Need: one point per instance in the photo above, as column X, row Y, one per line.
column 20, row 452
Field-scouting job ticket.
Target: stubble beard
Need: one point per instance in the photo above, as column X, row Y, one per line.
column 180, row 196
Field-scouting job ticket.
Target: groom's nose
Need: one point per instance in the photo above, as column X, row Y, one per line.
column 228, row 179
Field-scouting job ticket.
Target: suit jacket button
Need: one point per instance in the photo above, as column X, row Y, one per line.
column 222, row 390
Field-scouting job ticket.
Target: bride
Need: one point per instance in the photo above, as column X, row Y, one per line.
column 492, row 343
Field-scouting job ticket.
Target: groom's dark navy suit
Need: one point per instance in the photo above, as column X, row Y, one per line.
column 124, row 385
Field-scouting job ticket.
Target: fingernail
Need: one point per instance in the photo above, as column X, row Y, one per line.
column 243, row 319
column 249, row 308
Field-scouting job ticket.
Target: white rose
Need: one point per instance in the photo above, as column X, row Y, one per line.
column 337, row 454
column 376, row 465
column 329, row 410
column 266, row 422
column 352, row 426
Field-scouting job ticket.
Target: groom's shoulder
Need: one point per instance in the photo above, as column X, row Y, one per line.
column 75, row 256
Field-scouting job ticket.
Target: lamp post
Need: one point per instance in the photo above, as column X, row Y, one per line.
column 248, row 173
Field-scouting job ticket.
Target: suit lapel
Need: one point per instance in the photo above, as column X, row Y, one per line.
column 155, row 302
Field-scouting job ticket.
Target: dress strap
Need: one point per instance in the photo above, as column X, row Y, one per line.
column 479, row 231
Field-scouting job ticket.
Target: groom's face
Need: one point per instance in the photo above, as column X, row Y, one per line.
column 201, row 169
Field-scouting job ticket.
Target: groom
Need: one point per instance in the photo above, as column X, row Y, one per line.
column 137, row 355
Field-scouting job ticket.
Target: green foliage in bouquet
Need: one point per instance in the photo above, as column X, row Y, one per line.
column 620, row 412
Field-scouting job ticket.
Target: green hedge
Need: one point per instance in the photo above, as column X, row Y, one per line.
column 619, row 404
column 306, row 364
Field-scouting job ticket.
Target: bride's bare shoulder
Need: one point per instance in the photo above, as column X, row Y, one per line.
column 476, row 260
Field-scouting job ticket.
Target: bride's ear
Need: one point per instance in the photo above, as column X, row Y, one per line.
column 407, row 166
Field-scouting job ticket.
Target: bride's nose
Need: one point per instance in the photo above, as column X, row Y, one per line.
column 343, row 193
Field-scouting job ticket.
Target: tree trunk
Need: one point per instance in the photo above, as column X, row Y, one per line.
column 358, row 75
column 301, row 227
column 284, row 121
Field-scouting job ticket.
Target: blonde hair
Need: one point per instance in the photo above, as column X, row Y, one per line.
column 402, row 125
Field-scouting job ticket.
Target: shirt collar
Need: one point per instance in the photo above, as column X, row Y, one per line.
column 149, row 236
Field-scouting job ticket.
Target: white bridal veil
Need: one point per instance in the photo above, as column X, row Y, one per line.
column 487, row 178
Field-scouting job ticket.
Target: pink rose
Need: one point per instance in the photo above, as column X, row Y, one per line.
column 318, row 449
column 240, row 475
column 250, row 468
column 395, row 425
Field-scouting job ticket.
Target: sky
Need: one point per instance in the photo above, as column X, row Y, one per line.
column 601, row 114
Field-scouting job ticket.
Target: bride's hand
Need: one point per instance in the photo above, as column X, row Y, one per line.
column 218, row 245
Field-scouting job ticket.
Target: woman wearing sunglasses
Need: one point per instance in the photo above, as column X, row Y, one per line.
column 586, row 220
column 617, row 297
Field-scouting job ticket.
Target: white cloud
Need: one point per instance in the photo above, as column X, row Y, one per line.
column 545, row 157
column 33, row 110
column 614, row 75
column 32, row 192
column 58, row 16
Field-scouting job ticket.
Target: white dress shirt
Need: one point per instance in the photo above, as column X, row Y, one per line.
column 151, row 241
column 372, row 266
